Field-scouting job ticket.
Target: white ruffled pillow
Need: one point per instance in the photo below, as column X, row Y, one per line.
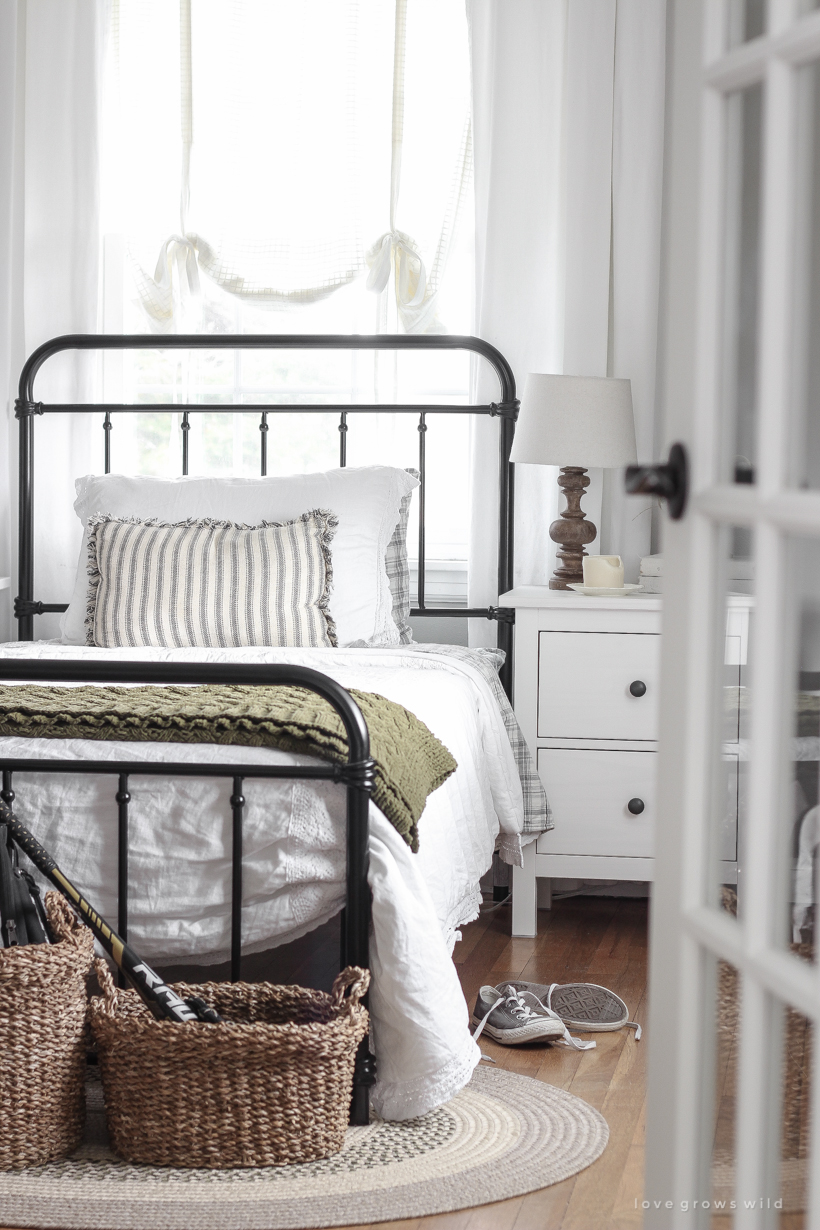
column 365, row 499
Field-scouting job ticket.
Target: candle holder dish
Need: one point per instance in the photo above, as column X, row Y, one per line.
column 600, row 591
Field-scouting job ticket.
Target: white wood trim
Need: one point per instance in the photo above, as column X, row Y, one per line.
column 613, row 745
column 782, row 16
column 594, row 867
column 738, row 68
column 671, row 1171
column 716, row 20
column 540, row 597
column 759, row 1099
column 801, row 44
column 780, row 972
column 524, row 895
column 5, row 582
column 776, row 269
column 760, row 1056
column 796, row 44
column 795, row 512
column 708, row 444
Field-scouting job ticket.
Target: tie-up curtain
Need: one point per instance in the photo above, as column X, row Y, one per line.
column 296, row 176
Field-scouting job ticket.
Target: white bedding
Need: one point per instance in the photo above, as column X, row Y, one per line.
column 179, row 850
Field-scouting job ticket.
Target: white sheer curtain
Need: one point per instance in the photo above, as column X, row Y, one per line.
column 291, row 141
column 568, row 101
column 50, row 77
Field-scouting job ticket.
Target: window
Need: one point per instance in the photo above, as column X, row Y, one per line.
column 271, row 167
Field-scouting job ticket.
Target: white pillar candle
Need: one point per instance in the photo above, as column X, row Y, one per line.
column 603, row 571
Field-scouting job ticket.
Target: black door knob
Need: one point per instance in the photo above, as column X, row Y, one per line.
column 670, row 481
column 638, row 687
column 636, row 806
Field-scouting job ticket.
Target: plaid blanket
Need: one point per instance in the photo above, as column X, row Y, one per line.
column 537, row 813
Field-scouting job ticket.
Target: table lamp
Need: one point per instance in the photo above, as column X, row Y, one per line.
column 577, row 423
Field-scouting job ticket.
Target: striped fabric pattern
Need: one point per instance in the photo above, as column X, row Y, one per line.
column 210, row 583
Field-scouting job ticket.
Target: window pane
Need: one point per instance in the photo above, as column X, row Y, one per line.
column 724, row 1076
column 799, row 831
column 741, row 275
column 791, row 1038
column 797, row 1127
column 731, row 746
column 258, row 195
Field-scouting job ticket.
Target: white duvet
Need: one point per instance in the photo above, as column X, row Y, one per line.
column 180, row 840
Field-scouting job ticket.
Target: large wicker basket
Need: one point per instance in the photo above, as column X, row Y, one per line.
column 270, row 1085
column 43, row 1019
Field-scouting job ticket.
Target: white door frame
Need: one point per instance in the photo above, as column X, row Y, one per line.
column 687, row 931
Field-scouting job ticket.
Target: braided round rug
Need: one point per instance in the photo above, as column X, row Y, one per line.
column 502, row 1136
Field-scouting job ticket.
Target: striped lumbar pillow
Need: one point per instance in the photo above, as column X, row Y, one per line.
column 209, row 583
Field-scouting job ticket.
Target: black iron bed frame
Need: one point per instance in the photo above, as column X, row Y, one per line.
column 357, row 773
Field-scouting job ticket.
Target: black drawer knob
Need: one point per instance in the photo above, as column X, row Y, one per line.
column 636, row 806
column 637, row 687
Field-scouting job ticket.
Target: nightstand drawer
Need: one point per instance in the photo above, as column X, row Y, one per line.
column 589, row 793
column 584, row 681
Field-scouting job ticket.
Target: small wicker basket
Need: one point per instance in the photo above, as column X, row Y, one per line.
column 270, row 1085
column 43, row 1026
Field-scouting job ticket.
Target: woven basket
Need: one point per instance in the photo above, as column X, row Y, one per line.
column 43, row 1017
column 270, row 1085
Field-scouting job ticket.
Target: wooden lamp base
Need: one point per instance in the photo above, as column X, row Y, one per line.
column 572, row 532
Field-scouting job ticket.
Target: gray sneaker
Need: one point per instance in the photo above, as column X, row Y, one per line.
column 511, row 1017
column 581, row 1005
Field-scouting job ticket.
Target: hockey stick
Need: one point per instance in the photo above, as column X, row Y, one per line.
column 160, row 998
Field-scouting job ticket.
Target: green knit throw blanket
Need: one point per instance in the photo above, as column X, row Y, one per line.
column 410, row 761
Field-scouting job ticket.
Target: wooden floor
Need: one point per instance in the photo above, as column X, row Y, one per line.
column 582, row 939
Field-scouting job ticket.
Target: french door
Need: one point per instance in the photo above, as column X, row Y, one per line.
column 734, row 1089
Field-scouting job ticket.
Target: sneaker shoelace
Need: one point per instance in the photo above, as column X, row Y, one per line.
column 515, row 1003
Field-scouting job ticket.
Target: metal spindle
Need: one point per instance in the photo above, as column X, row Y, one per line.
column 263, row 443
column 185, row 427
column 422, row 458
column 343, row 439
column 237, row 804
column 107, row 425
column 7, row 794
column 123, row 799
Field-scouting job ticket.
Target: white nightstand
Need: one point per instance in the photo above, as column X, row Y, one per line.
column 586, row 696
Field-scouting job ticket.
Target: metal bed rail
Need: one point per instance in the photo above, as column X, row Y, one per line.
column 505, row 409
column 356, row 775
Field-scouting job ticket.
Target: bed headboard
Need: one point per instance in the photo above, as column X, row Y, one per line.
column 506, row 408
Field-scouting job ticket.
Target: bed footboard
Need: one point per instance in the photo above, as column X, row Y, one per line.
column 356, row 775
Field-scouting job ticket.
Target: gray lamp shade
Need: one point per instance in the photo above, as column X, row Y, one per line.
column 575, row 421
